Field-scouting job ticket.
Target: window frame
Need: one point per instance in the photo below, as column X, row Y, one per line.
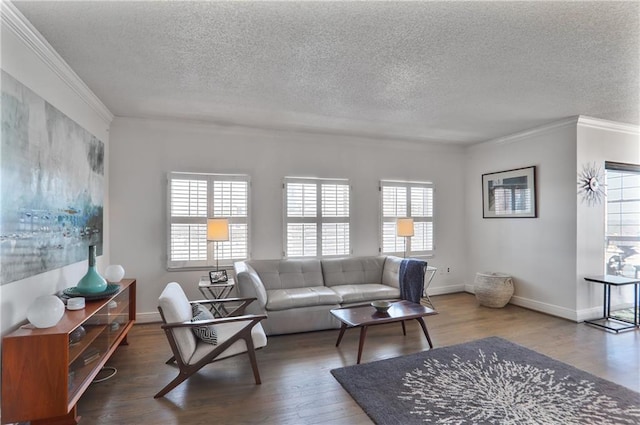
column 210, row 178
column 416, row 219
column 615, row 260
column 319, row 219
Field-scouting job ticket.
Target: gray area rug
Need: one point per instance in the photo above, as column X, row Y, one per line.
column 489, row 381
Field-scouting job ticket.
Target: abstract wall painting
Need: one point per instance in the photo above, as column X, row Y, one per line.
column 51, row 186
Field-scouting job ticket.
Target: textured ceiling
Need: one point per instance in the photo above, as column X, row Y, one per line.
column 428, row 71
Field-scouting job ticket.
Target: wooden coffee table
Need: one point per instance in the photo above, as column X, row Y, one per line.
column 364, row 316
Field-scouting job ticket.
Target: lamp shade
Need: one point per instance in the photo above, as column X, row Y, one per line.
column 217, row 229
column 404, row 227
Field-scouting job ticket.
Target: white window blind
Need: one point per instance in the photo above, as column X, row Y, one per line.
column 192, row 199
column 406, row 199
column 317, row 217
column 189, row 198
column 302, row 200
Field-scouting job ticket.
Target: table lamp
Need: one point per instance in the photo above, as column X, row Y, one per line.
column 404, row 228
column 217, row 231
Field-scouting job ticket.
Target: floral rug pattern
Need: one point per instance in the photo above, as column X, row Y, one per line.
column 493, row 390
column 489, row 381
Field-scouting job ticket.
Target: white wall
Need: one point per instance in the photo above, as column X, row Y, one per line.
column 599, row 141
column 143, row 151
column 540, row 253
column 21, row 61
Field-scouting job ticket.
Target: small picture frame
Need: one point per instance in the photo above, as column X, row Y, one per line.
column 218, row 276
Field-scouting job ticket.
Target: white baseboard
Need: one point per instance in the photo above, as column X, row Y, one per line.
column 151, row 317
column 566, row 313
column 551, row 309
column 554, row 310
column 449, row 289
column 589, row 313
column 596, row 312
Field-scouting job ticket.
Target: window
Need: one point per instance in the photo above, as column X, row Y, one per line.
column 407, row 199
column 317, row 222
column 192, row 199
column 623, row 219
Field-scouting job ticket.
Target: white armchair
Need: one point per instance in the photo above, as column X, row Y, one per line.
column 235, row 334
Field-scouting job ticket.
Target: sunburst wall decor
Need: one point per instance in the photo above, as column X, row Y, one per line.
column 590, row 184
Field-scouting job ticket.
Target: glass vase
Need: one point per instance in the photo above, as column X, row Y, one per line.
column 92, row 282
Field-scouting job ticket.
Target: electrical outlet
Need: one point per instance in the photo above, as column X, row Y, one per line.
column 448, row 270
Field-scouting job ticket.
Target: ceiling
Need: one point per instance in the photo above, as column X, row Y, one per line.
column 458, row 72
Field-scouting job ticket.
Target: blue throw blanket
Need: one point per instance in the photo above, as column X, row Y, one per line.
column 412, row 279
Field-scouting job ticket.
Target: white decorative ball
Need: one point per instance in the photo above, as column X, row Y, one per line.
column 45, row 311
column 114, row 273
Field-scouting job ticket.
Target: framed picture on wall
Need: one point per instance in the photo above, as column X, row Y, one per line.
column 509, row 194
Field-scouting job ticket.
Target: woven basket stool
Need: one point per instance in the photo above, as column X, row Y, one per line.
column 493, row 289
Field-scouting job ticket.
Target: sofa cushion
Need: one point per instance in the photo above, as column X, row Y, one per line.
column 285, row 274
column 391, row 271
column 282, row 299
column 352, row 271
column 365, row 292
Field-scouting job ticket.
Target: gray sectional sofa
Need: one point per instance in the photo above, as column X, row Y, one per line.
column 297, row 294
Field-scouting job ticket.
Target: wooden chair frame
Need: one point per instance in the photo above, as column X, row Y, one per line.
column 236, row 315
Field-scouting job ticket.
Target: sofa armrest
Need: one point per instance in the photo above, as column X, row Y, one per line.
column 249, row 285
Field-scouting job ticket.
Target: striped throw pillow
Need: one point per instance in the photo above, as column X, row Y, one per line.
column 207, row 333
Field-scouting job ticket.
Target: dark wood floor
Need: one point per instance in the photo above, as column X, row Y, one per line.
column 297, row 387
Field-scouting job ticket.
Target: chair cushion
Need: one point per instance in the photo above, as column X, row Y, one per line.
column 365, row 292
column 226, row 331
column 177, row 309
column 282, row 299
column 207, row 333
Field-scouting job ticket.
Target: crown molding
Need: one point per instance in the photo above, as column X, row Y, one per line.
column 608, row 125
column 354, row 138
column 527, row 133
column 578, row 120
column 34, row 41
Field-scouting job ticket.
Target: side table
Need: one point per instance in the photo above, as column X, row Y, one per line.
column 430, row 273
column 216, row 291
column 607, row 321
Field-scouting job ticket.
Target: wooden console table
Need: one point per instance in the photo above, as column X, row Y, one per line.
column 46, row 371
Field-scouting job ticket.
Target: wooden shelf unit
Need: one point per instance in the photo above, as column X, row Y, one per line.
column 44, row 375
